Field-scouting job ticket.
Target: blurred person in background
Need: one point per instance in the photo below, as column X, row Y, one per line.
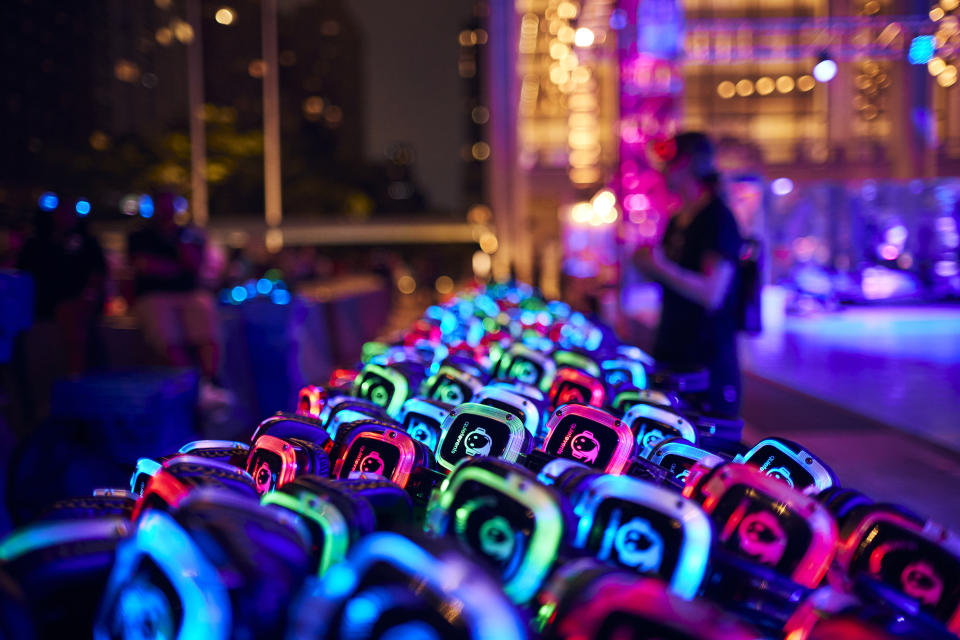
column 697, row 266
column 13, row 234
column 69, row 274
column 177, row 316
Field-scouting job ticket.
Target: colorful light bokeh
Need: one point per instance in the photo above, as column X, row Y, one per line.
column 650, row 88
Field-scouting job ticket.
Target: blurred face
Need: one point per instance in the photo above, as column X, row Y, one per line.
column 678, row 174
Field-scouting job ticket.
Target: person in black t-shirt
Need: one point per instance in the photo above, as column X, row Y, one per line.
column 178, row 317
column 697, row 265
column 69, row 273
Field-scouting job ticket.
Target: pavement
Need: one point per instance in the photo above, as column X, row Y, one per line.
column 887, row 463
column 898, row 365
column 874, row 391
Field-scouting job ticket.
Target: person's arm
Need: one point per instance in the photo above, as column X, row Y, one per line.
column 707, row 287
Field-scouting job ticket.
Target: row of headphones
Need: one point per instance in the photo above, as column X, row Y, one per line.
column 550, row 499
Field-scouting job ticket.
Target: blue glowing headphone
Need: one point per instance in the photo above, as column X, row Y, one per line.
column 389, row 581
column 615, row 512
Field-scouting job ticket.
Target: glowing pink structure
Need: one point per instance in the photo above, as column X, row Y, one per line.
column 649, row 39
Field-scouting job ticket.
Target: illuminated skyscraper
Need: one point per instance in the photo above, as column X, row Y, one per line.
column 753, row 72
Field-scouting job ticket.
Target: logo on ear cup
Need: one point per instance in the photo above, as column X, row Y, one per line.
column 584, row 446
column 423, row 433
column 781, row 473
column 380, row 396
column 451, row 394
column 617, row 377
column 524, row 371
column 651, row 438
column 762, row 538
column 143, row 606
column 371, row 463
column 497, row 538
column 570, row 394
column 638, row 545
column 477, row 442
column 304, row 407
column 921, row 581
column 263, row 477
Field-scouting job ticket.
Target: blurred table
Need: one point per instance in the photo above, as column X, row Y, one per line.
column 271, row 350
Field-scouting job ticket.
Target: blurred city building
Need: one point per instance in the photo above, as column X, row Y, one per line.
column 471, row 67
column 98, row 102
column 818, row 106
column 749, row 74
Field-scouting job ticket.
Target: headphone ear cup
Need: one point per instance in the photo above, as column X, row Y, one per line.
column 827, row 496
column 852, row 512
column 901, row 510
column 840, row 502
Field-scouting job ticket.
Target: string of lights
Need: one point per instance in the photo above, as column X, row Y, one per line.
column 943, row 48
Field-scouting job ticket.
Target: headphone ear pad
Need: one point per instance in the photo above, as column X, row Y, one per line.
column 854, row 513
column 830, row 495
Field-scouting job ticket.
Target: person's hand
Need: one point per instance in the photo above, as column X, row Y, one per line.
column 649, row 260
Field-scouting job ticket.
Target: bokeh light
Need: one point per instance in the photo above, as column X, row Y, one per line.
column 273, row 240
column 603, row 201
column 921, row 49
column 584, row 37
column 130, row 204
column 479, row 214
column 488, row 243
column 48, row 201
column 126, row 70
column 581, row 213
column 313, row 108
column 781, row 186
column 785, row 84
column 182, row 31
column 947, row 77
column 480, row 151
column 825, row 70
column 481, row 263
column 257, row 68
column 566, row 11
column 936, row 66
column 225, row 16
column 480, row 114
column 443, row 285
column 406, row 284
column 145, row 206
column 333, row 115
column 745, row 88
